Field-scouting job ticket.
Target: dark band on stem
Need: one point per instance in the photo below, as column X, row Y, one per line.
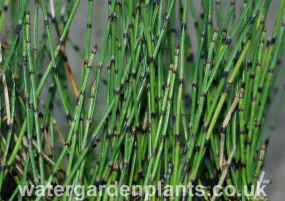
column 181, row 81
column 194, row 84
column 18, row 29
column 228, row 41
column 223, row 129
column 5, row 7
column 183, row 26
column 46, row 22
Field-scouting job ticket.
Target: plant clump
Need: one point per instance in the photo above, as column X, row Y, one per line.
column 174, row 113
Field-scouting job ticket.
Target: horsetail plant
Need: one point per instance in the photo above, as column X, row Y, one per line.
column 174, row 93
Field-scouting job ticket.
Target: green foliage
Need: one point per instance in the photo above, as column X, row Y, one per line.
column 173, row 112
